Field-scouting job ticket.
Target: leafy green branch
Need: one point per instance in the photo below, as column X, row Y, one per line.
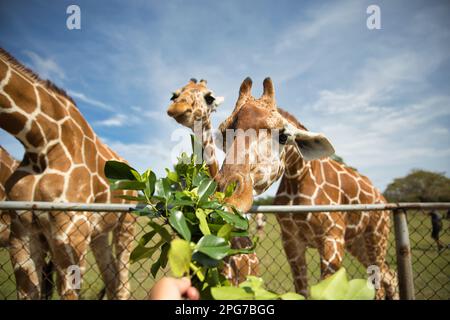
column 191, row 227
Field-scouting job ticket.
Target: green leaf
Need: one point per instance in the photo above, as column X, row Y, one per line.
column 334, row 287
column 116, row 170
column 162, row 260
column 171, row 175
column 243, row 233
column 179, row 257
column 136, row 175
column 127, row 185
column 235, row 220
column 291, row 296
column 141, row 252
column 214, row 247
column 360, row 289
column 252, row 282
column 162, row 189
column 263, row 294
column 241, row 251
column 150, row 184
column 198, row 178
column 131, row 198
column 147, row 237
column 178, row 222
column 230, row 189
column 161, row 231
column 146, row 211
column 204, row 260
column 205, row 189
column 182, row 203
column 213, row 204
column 231, row 293
column 198, row 272
column 225, row 231
column 201, row 216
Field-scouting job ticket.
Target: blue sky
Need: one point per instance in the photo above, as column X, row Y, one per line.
column 381, row 96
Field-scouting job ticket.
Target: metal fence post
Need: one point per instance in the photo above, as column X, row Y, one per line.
column 403, row 250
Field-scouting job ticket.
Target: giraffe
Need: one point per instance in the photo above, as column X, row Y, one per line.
column 193, row 104
column 7, row 166
column 308, row 177
column 63, row 162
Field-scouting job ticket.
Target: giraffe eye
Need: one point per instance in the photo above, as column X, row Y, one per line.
column 209, row 98
column 174, row 96
column 282, row 138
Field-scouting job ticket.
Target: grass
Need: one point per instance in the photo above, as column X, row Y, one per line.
column 431, row 269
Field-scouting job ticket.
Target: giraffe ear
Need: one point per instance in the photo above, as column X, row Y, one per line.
column 313, row 145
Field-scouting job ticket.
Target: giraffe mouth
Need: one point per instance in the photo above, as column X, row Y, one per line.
column 181, row 118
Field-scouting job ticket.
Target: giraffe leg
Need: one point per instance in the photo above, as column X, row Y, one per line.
column 71, row 239
column 102, row 251
column 357, row 248
column 123, row 241
column 25, row 258
column 296, row 255
column 331, row 254
column 376, row 244
column 5, row 228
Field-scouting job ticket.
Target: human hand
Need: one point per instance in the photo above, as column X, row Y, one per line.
column 174, row 289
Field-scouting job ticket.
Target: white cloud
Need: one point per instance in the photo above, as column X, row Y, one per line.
column 46, row 68
column 91, row 101
column 372, row 130
column 115, row 121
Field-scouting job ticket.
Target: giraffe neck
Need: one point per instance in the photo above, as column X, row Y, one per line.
column 209, row 150
column 294, row 165
column 40, row 116
column 20, row 106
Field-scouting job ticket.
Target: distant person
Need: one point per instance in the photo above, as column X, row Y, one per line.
column 436, row 227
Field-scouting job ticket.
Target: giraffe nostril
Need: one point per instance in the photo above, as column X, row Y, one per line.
column 179, row 110
column 171, row 112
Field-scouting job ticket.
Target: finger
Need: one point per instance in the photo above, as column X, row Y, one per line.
column 192, row 294
column 183, row 284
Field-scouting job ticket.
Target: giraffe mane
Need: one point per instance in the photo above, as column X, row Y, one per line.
column 34, row 76
column 291, row 118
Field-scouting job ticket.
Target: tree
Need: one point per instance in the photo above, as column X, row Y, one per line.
column 419, row 186
column 339, row 159
column 263, row 201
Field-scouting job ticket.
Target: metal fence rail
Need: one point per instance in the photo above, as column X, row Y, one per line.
column 423, row 272
column 115, row 207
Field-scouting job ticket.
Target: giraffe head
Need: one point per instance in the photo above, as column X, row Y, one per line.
column 193, row 102
column 244, row 163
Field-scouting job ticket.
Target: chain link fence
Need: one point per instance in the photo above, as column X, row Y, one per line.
column 430, row 261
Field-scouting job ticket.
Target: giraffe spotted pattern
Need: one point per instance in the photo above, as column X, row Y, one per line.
column 195, row 102
column 63, row 162
column 7, row 166
column 362, row 234
column 308, row 177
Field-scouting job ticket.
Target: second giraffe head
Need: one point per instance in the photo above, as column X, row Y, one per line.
column 193, row 102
